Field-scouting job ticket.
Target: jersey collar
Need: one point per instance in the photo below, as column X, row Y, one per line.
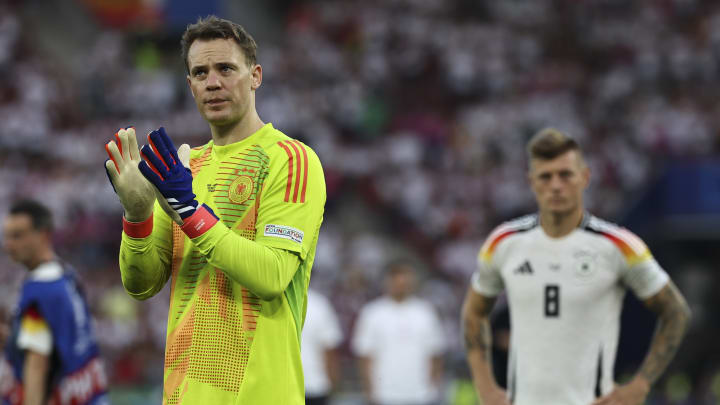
column 585, row 221
column 48, row 271
column 220, row 151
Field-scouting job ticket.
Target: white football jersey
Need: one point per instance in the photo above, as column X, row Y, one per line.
column 565, row 296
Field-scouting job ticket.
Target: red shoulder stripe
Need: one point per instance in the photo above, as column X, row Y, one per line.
column 290, row 171
column 307, row 169
column 630, row 254
column 495, row 241
column 297, row 172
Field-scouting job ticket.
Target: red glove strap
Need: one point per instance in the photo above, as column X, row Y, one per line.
column 138, row 229
column 199, row 222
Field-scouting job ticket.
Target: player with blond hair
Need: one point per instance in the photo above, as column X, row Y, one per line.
column 565, row 273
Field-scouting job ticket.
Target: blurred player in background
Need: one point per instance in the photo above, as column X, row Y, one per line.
column 235, row 230
column 321, row 337
column 565, row 273
column 51, row 356
column 400, row 341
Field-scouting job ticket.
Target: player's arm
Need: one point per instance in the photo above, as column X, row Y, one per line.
column 651, row 284
column 331, row 358
column 644, row 276
column 331, row 337
column 36, row 340
column 436, row 369
column 266, row 271
column 35, row 372
column 144, row 258
column 478, row 344
column 145, row 255
column 673, row 318
column 365, row 365
column 486, row 284
column 436, row 340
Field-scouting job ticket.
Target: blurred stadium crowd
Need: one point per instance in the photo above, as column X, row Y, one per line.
column 419, row 111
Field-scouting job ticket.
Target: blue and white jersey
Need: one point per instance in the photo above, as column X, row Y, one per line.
column 52, row 318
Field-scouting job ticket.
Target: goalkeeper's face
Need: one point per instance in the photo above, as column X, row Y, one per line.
column 23, row 243
column 559, row 183
column 221, row 81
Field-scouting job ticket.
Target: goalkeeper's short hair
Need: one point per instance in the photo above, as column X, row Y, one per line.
column 212, row 27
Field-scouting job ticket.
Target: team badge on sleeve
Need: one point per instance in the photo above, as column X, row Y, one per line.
column 285, row 232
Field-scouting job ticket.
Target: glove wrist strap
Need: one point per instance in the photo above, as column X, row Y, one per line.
column 138, row 229
column 200, row 222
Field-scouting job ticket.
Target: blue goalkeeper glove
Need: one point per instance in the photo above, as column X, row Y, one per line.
column 164, row 169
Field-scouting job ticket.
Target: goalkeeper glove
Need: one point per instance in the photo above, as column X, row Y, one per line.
column 171, row 177
column 135, row 193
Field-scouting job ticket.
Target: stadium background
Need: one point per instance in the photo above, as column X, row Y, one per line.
column 419, row 110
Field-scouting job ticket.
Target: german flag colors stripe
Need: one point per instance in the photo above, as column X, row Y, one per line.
column 33, row 322
column 492, row 242
column 633, row 249
column 297, row 170
column 498, row 234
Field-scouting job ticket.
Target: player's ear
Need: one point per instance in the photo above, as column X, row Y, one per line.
column 585, row 175
column 190, row 85
column 256, row 72
column 47, row 237
column 529, row 173
column 584, row 168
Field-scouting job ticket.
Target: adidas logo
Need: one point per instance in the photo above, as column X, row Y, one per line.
column 524, row 269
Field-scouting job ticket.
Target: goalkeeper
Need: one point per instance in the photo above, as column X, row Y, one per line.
column 234, row 227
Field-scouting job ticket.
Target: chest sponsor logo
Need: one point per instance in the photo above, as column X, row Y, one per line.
column 240, row 189
column 524, row 269
column 211, row 187
column 285, row 232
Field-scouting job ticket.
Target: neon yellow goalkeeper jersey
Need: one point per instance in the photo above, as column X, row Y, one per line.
column 226, row 344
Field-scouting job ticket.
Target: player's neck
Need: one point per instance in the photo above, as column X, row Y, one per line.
column 557, row 225
column 43, row 257
column 227, row 134
column 399, row 298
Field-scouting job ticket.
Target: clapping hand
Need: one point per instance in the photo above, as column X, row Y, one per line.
column 136, row 194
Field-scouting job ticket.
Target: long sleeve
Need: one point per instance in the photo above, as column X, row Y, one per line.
column 266, row 271
column 145, row 259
